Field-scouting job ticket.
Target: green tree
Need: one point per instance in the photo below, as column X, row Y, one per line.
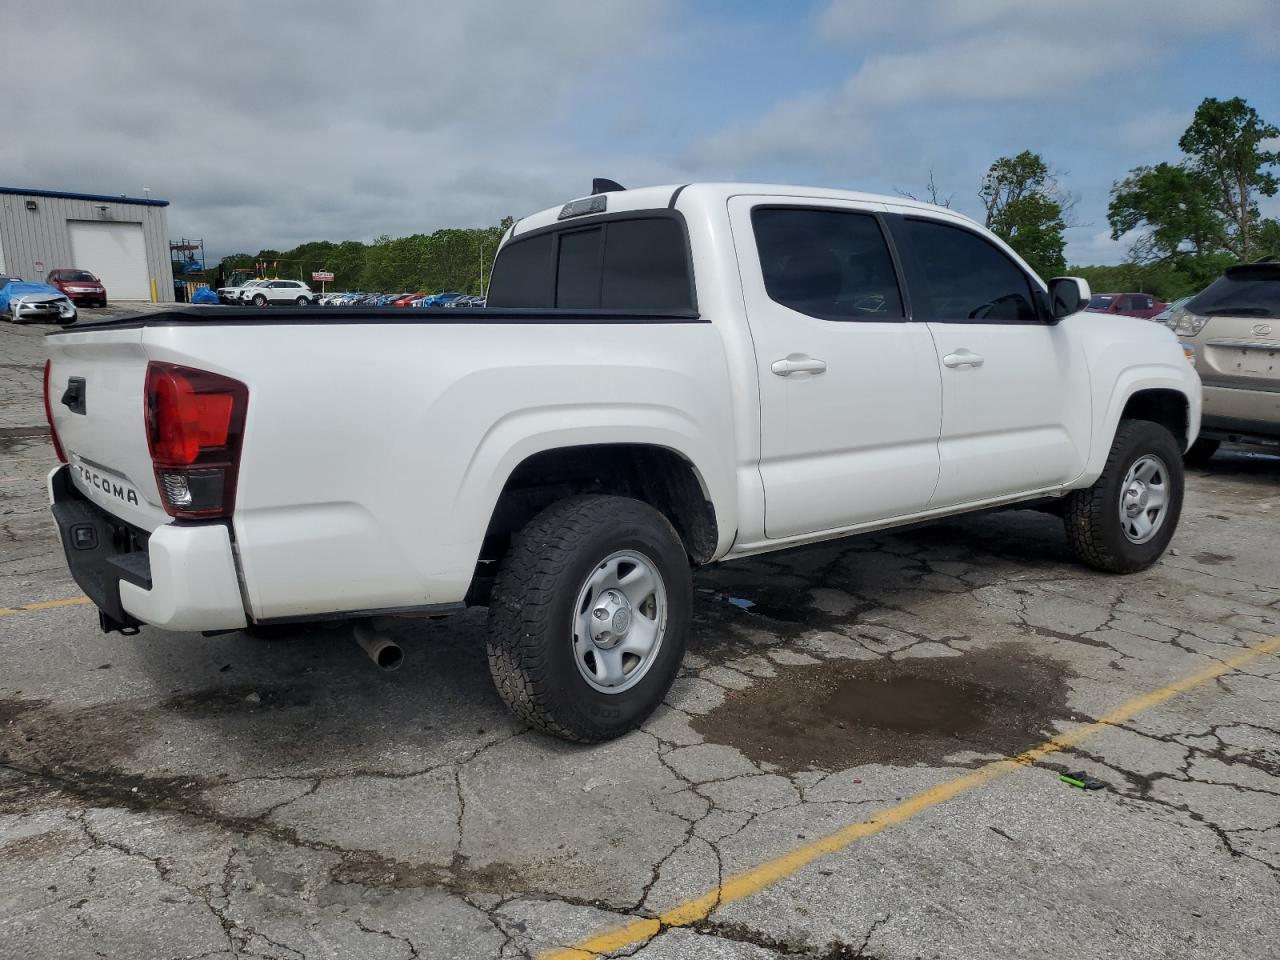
column 1024, row 207
column 1224, row 146
column 1173, row 204
column 1267, row 242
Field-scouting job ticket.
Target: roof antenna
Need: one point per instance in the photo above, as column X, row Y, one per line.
column 601, row 185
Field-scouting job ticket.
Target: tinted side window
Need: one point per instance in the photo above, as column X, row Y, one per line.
column 524, row 274
column 578, row 272
column 829, row 264
column 969, row 278
column 646, row 266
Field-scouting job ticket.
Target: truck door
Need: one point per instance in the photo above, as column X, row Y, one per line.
column 1016, row 413
column 850, row 400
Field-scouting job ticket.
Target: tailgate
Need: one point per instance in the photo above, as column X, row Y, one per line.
column 96, row 384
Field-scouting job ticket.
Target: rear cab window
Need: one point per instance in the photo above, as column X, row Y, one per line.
column 628, row 262
column 828, row 264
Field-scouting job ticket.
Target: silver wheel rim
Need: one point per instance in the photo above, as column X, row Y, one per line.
column 619, row 621
column 1144, row 498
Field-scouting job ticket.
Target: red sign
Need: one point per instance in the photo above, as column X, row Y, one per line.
column 322, row 276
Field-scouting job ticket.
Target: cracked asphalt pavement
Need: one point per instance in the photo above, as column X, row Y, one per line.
column 180, row 796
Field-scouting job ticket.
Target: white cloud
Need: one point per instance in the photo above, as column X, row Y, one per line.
column 855, row 21
column 1002, row 66
column 1086, row 248
column 267, row 124
column 861, row 127
column 1152, row 131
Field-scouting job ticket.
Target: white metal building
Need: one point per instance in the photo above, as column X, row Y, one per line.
column 122, row 240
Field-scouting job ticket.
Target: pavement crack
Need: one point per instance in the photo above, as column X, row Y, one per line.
column 393, row 937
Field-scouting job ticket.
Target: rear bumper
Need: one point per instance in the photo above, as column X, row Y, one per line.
column 1233, row 412
column 177, row 578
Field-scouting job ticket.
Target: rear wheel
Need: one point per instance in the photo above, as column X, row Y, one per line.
column 1124, row 522
column 589, row 617
column 1201, row 452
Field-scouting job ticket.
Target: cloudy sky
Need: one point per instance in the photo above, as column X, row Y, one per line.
column 269, row 123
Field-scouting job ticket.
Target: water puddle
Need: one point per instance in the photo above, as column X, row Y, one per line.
column 843, row 713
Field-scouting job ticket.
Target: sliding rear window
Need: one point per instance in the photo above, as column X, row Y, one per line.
column 635, row 264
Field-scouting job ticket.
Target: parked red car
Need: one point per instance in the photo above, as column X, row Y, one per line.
column 407, row 299
column 1126, row 304
column 80, row 285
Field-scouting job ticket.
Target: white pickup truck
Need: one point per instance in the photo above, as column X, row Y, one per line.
column 664, row 377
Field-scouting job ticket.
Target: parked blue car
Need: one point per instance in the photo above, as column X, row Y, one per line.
column 22, row 301
column 438, row 300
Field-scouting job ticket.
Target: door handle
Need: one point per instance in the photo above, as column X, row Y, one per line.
column 963, row 358
column 798, row 363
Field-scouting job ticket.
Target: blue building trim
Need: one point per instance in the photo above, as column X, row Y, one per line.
column 95, row 197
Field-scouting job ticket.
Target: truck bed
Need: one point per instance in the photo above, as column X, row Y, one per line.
column 378, row 440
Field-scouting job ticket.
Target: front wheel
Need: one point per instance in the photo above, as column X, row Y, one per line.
column 589, row 617
column 1124, row 522
column 302, row 301
column 259, row 301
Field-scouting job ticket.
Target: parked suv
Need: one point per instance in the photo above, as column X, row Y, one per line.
column 278, row 292
column 1231, row 331
column 1126, row 304
column 231, row 294
column 81, row 286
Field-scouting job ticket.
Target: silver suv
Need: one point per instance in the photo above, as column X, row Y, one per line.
column 1231, row 331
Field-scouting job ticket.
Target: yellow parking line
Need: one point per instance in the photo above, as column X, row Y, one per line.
column 45, row 605
column 748, row 882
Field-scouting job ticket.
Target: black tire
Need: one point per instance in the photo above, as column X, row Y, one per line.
column 302, row 301
column 1092, row 516
column 530, row 646
column 259, row 301
column 1201, row 452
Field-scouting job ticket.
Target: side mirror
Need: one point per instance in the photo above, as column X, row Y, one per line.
column 1068, row 295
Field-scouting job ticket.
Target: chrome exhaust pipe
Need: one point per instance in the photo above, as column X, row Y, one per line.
column 382, row 650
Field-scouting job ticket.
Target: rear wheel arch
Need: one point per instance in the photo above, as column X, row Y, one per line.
column 656, row 475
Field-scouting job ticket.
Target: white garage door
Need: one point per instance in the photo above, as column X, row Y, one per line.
column 115, row 253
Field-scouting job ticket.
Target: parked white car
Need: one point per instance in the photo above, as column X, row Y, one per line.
column 231, row 295
column 278, row 292
column 664, row 378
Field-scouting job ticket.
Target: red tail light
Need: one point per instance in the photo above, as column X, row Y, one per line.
column 48, row 413
column 195, row 422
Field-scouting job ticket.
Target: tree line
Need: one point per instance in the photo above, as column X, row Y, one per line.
column 1188, row 218
column 452, row 259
